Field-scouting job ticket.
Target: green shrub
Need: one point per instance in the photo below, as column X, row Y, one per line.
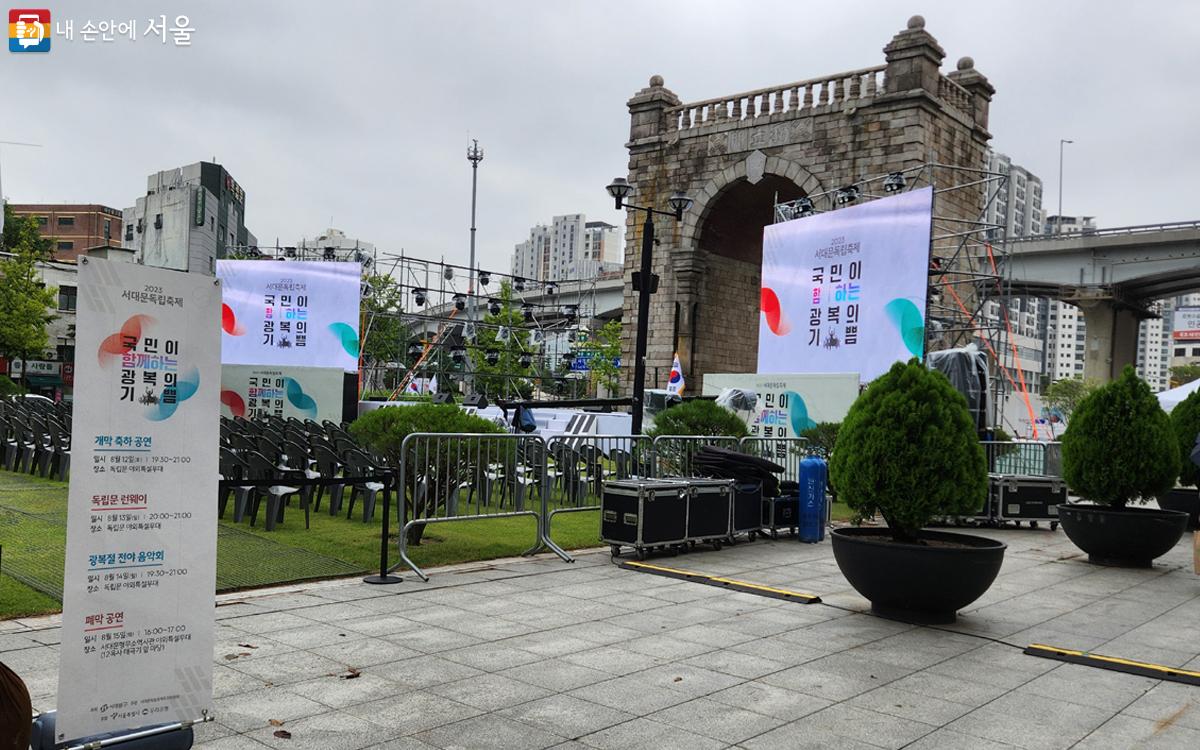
column 909, row 451
column 1119, row 446
column 822, row 438
column 8, row 387
column 433, row 476
column 698, row 417
column 1185, row 422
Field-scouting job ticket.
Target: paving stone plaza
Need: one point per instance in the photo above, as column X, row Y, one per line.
column 537, row 653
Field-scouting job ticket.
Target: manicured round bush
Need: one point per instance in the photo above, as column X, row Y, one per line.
column 698, row 418
column 1119, row 446
column 1185, row 422
column 908, row 450
column 384, row 429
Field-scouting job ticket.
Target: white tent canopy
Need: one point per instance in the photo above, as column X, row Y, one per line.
column 1172, row 398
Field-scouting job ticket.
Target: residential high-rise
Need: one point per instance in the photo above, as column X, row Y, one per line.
column 1068, row 224
column 1154, row 351
column 189, row 217
column 74, row 227
column 1065, row 336
column 570, row 247
column 333, row 244
column 1016, row 205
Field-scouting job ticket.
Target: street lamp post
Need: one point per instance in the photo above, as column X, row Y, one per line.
column 646, row 283
column 1061, row 142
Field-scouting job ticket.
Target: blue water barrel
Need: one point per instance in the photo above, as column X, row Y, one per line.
column 813, row 473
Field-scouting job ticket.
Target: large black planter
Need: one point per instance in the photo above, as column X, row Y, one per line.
column 913, row 582
column 1185, row 500
column 1127, row 537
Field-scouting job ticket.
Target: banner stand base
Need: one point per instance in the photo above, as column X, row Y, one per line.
column 378, row 579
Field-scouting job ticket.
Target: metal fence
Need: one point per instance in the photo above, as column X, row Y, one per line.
column 1023, row 458
column 674, row 454
column 788, row 452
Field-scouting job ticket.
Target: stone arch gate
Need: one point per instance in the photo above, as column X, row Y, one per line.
column 740, row 154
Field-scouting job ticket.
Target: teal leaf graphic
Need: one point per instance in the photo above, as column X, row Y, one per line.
column 909, row 323
column 798, row 413
column 299, row 399
column 348, row 337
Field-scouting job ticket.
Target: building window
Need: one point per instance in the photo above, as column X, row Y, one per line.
column 66, row 297
column 66, row 245
column 43, row 220
column 66, row 221
column 107, row 229
column 129, row 232
column 1196, row 351
column 66, row 352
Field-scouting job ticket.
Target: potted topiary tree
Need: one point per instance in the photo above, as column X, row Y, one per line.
column 1119, row 450
column 909, row 451
column 696, row 418
column 1185, row 423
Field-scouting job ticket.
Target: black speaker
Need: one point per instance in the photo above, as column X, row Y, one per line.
column 478, row 400
column 443, row 398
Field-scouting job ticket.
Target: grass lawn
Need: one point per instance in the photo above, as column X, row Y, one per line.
column 19, row 600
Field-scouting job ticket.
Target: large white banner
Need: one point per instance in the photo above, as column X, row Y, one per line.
column 844, row 291
column 789, row 404
column 256, row 391
column 301, row 313
column 138, row 588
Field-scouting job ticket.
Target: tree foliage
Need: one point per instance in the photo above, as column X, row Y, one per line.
column 1185, row 423
column 506, row 378
column 908, row 450
column 1183, row 374
column 1065, row 395
column 25, row 301
column 606, row 345
column 1119, row 446
column 822, row 438
column 698, row 417
column 386, row 335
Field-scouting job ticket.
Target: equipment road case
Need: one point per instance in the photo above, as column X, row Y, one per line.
column 781, row 514
column 710, row 503
column 643, row 514
column 1027, row 498
column 747, row 510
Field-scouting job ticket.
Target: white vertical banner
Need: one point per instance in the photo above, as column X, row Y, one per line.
column 844, row 291
column 140, row 577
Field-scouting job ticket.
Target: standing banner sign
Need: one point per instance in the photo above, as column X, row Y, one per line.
column 789, row 404
column 844, row 291
column 290, row 313
column 140, row 576
column 261, row 391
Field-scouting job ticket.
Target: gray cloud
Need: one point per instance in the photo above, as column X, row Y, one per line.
column 362, row 111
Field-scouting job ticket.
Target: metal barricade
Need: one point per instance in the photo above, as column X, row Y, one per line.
column 788, row 452
column 1023, row 458
column 465, row 477
column 577, row 466
column 673, row 454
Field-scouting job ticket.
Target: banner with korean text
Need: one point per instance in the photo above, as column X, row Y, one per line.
column 140, row 576
column 789, row 404
column 257, row 391
column 844, row 291
column 290, row 313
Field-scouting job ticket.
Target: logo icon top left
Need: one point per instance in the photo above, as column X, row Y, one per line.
column 29, row 30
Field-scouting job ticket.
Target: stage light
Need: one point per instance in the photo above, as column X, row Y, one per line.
column 527, row 312
column 619, row 189
column 419, row 294
column 485, row 278
column 787, row 211
column 414, row 350
column 492, row 356
column 448, row 274
column 525, row 360
column 469, row 332
column 848, row 194
column 571, row 312
column 551, row 289
column 460, row 302
column 289, row 252
column 894, row 182
column 804, row 207
column 329, row 254
column 458, row 354
column 494, row 306
column 518, row 283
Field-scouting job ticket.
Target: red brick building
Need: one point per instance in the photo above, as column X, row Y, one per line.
column 74, row 227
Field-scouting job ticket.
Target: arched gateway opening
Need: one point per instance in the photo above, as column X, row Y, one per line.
column 730, row 239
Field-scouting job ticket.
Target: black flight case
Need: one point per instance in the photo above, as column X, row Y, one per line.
column 643, row 514
column 1026, row 498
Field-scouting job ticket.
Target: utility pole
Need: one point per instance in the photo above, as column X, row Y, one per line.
column 1061, row 142
column 474, row 155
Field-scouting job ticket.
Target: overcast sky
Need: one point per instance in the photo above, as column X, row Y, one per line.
column 363, row 111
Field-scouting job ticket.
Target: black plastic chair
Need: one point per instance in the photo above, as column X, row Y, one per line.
column 328, row 466
column 261, row 467
column 359, row 464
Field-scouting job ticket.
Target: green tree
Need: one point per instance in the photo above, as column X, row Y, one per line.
column 1065, row 395
column 908, row 450
column 698, row 417
column 506, row 378
column 25, row 301
column 1185, row 423
column 1119, row 447
column 606, row 348
column 1182, row 374
column 386, row 335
